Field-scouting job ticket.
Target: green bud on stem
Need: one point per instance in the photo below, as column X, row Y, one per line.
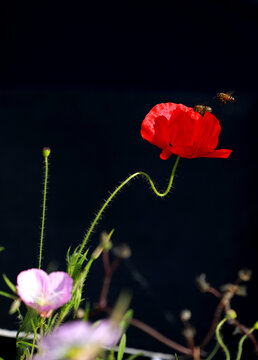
column 46, row 152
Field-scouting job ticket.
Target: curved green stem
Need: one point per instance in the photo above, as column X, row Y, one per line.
column 160, row 194
column 220, row 341
column 45, row 154
column 214, row 352
column 240, row 344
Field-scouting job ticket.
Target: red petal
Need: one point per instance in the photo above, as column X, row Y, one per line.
column 166, row 153
column 207, row 132
column 155, row 125
column 221, row 153
column 181, row 127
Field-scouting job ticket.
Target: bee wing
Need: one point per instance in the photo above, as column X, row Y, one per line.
column 230, row 92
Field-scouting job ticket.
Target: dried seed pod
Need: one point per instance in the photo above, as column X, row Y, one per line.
column 185, row 315
column 202, row 284
column 80, row 313
column 123, row 251
column 245, row 274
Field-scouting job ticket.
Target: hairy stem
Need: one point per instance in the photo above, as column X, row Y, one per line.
column 139, row 173
column 46, row 153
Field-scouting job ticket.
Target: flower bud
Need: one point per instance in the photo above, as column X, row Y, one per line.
column 245, row 274
column 256, row 325
column 46, row 152
column 15, row 306
column 231, row 314
column 185, row 315
column 97, row 252
column 105, row 242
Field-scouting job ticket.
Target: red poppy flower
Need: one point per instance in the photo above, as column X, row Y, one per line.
column 179, row 130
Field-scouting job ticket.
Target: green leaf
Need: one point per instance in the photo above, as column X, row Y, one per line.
column 111, row 355
column 134, row 356
column 83, row 257
column 10, row 284
column 51, row 323
column 31, row 317
column 9, row 296
column 26, row 355
column 126, row 320
column 121, row 349
column 73, row 267
column 1, row 249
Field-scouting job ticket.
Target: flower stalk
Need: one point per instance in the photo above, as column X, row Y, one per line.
column 125, row 182
column 46, row 153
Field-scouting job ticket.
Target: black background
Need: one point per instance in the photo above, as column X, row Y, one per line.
column 80, row 79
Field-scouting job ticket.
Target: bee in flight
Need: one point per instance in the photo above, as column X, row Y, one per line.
column 202, row 109
column 225, row 97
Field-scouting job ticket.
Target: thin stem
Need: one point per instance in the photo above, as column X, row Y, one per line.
column 222, row 306
column 154, row 333
column 240, row 344
column 105, row 260
column 106, row 283
column 160, row 194
column 214, row 351
column 246, row 331
column 41, row 331
column 46, row 153
column 157, row 335
column 27, row 344
column 219, row 338
column 33, row 342
column 196, row 353
column 214, row 323
column 214, row 292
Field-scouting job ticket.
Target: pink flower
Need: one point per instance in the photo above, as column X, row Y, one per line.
column 44, row 292
column 78, row 340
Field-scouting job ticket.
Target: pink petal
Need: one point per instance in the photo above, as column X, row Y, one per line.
column 44, row 292
column 31, row 284
column 61, row 285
